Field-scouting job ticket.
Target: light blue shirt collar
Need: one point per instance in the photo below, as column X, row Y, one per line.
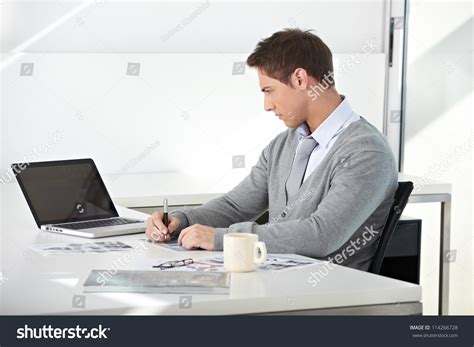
column 331, row 125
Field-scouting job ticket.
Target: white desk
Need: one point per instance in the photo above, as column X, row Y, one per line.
column 148, row 190
column 46, row 285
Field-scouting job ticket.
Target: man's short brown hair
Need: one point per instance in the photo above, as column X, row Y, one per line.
column 279, row 55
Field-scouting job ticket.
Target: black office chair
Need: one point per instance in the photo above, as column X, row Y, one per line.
column 401, row 199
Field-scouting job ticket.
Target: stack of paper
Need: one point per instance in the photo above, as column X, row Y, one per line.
column 153, row 281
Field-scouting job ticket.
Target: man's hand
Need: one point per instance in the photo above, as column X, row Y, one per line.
column 197, row 236
column 157, row 231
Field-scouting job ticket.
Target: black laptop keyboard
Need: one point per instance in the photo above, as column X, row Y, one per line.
column 97, row 223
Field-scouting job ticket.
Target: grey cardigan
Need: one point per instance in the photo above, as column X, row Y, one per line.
column 337, row 214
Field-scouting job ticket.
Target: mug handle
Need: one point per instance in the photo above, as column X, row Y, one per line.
column 263, row 252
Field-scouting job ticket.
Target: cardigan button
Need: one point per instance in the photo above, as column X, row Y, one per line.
column 283, row 214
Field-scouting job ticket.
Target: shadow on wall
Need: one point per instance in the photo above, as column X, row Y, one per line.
column 439, row 78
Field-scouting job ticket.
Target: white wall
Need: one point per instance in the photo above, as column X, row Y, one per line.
column 115, row 26
column 182, row 113
column 439, row 137
column 186, row 110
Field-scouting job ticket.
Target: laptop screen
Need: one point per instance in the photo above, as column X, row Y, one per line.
column 64, row 191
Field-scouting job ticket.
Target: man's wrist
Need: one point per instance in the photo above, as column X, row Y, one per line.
column 219, row 238
column 183, row 223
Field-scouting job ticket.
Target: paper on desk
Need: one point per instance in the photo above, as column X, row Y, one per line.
column 74, row 248
column 272, row 263
column 171, row 245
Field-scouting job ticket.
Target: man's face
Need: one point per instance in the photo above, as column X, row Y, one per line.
column 287, row 102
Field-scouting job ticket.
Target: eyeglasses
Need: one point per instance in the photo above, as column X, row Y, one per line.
column 174, row 263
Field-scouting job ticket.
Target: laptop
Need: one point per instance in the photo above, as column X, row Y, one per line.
column 69, row 197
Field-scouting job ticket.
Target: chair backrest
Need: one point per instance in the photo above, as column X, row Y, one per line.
column 401, row 199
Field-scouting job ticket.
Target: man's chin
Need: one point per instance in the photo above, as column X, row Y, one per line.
column 292, row 124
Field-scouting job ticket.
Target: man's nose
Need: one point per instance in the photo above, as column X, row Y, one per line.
column 269, row 107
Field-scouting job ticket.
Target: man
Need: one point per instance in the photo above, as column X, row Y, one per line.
column 328, row 181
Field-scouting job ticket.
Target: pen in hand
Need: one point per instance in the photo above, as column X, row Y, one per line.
column 163, row 235
column 165, row 214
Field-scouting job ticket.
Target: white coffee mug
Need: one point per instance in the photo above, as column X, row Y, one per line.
column 241, row 252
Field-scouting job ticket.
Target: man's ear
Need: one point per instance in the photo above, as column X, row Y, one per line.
column 299, row 79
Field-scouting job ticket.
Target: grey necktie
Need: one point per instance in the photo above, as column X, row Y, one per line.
column 298, row 169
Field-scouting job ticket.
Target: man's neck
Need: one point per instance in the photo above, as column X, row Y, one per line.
column 321, row 110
